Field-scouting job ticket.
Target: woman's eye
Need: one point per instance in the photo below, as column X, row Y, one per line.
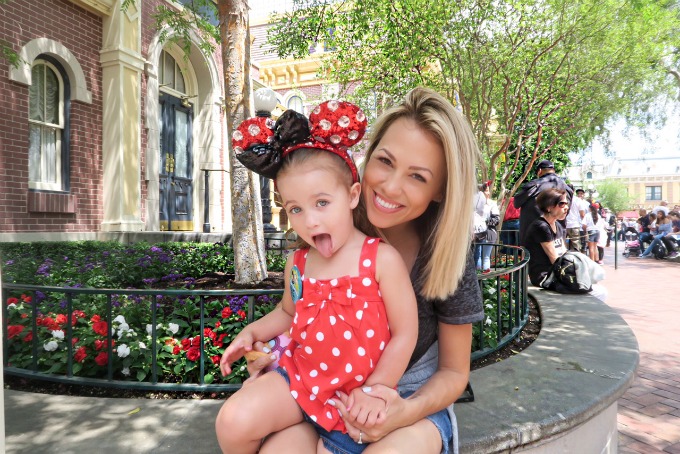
column 322, row 203
column 384, row 160
column 419, row 177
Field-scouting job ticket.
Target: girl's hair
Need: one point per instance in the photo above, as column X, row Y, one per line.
column 327, row 161
column 444, row 227
column 661, row 216
column 594, row 213
column 549, row 198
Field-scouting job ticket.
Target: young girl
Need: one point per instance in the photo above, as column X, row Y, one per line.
column 594, row 224
column 341, row 290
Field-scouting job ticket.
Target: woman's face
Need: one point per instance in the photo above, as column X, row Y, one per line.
column 406, row 172
column 561, row 210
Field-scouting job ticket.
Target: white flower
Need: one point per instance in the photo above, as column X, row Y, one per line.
column 123, row 350
column 51, row 346
column 142, row 345
column 126, row 371
column 173, row 327
column 489, row 306
column 58, row 334
column 124, row 326
column 130, row 333
column 148, row 328
column 488, row 321
column 12, row 306
column 119, row 319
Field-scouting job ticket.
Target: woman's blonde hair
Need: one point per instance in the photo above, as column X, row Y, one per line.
column 444, row 227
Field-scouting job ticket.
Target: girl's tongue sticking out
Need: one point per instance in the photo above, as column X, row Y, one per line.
column 324, row 244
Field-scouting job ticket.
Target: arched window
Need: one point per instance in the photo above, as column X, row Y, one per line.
column 589, row 175
column 48, row 132
column 170, row 73
column 295, row 103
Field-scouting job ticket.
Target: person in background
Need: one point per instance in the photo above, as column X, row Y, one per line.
column 663, row 206
column 510, row 226
column 526, row 197
column 675, row 221
column 644, row 222
column 663, row 228
column 594, row 226
column 611, row 223
column 577, row 211
column 487, row 209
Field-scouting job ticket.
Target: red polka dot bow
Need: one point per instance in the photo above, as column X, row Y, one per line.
column 260, row 143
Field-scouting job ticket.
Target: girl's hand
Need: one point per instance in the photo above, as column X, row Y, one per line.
column 239, row 346
column 394, row 405
column 257, row 367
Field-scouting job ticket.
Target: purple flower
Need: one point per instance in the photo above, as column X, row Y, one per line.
column 9, row 262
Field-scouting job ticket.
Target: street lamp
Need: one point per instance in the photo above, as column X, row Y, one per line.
column 265, row 102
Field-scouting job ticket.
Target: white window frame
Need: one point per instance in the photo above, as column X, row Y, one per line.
column 57, row 185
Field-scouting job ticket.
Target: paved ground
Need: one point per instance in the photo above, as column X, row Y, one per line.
column 646, row 293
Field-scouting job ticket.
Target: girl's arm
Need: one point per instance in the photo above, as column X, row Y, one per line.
column 402, row 314
column 267, row 327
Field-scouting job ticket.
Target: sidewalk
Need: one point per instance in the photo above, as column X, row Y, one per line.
column 645, row 292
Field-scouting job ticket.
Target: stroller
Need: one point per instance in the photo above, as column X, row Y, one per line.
column 631, row 245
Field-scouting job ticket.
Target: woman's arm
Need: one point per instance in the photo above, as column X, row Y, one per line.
column 550, row 251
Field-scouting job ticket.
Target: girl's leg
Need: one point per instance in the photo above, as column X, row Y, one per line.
column 421, row 437
column 264, row 407
column 298, row 439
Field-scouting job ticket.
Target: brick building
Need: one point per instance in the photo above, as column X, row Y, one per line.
column 105, row 128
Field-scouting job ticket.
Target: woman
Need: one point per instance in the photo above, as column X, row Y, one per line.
column 545, row 236
column 488, row 210
column 594, row 225
column 663, row 227
column 417, row 186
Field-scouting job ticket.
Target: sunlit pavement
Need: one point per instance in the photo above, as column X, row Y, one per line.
column 646, row 293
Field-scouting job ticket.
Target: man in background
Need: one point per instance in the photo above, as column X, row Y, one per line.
column 525, row 199
column 577, row 211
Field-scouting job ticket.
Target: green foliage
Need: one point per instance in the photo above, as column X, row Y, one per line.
column 546, row 76
column 614, row 195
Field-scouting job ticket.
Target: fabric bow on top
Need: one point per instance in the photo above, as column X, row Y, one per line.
column 260, row 143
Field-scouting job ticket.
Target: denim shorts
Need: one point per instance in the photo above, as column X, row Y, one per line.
column 593, row 236
column 341, row 443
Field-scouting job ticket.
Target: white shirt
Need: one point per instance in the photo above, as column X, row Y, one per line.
column 574, row 217
column 600, row 225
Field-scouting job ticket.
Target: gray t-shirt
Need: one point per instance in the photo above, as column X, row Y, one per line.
column 464, row 306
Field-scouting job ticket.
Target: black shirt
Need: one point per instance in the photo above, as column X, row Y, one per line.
column 539, row 262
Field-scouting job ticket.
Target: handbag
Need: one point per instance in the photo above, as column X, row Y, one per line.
column 569, row 274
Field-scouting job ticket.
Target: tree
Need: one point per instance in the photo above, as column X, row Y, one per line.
column 233, row 36
column 6, row 51
column 614, row 195
column 528, row 74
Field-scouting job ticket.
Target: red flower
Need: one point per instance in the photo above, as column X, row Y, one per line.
column 226, row 312
column 215, row 359
column 218, row 324
column 28, row 337
column 24, row 315
column 95, row 318
column 220, row 340
column 186, row 343
column 102, row 359
column 241, row 314
column 99, row 344
column 80, row 355
column 505, row 276
column 61, row 319
column 207, row 332
column 14, row 330
column 26, row 298
column 171, row 341
column 74, row 341
column 196, row 341
column 176, row 350
column 100, row 328
column 12, row 300
column 193, row 353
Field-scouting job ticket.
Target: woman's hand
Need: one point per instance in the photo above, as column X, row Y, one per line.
column 394, row 406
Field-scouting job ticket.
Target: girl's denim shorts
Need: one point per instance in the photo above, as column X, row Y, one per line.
column 340, row 443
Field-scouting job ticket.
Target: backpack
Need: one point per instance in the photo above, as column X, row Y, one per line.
column 569, row 274
column 659, row 252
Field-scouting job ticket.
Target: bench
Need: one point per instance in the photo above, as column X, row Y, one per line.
column 561, row 393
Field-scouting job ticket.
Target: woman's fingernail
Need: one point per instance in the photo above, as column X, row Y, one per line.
column 273, row 357
column 331, row 402
column 266, row 349
column 366, row 389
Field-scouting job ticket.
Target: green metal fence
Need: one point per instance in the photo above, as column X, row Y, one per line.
column 77, row 335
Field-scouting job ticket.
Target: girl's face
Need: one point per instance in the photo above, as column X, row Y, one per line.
column 406, row 172
column 319, row 205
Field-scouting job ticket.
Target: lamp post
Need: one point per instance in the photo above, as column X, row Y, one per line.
column 264, row 101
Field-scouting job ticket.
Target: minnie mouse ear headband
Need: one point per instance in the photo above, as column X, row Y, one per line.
column 260, row 144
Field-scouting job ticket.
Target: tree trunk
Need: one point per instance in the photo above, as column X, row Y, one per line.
column 248, row 235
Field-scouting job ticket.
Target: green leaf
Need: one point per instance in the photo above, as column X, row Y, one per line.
column 208, row 378
column 141, row 375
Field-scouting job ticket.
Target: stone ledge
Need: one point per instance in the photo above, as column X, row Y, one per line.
column 583, row 360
